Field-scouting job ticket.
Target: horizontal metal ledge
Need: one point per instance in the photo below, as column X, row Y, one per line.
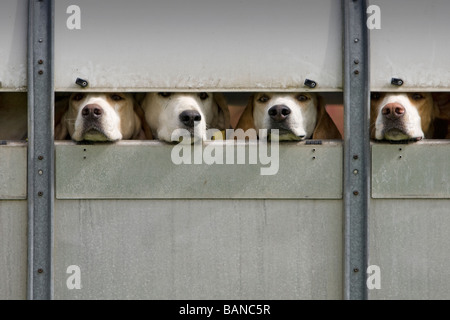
column 300, row 88
column 13, row 171
column 416, row 170
column 145, row 170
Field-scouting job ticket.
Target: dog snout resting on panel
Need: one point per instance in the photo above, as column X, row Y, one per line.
column 297, row 116
column 195, row 113
column 102, row 117
column 402, row 116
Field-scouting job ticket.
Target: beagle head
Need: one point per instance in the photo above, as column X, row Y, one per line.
column 102, row 117
column 401, row 116
column 297, row 116
column 166, row 112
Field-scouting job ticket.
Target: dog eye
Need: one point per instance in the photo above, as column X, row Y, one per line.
column 374, row 96
column 417, row 96
column 263, row 98
column 78, row 97
column 203, row 95
column 164, row 94
column 302, row 97
column 116, row 97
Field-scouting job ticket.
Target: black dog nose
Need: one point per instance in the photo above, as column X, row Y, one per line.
column 92, row 111
column 279, row 112
column 188, row 117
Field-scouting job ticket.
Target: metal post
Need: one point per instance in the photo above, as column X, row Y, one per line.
column 40, row 149
column 356, row 147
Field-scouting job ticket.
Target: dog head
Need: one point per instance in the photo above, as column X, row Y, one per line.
column 402, row 116
column 102, row 117
column 166, row 112
column 297, row 116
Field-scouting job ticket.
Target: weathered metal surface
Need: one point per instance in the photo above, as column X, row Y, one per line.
column 13, row 49
column 191, row 249
column 13, row 250
column 217, row 45
column 141, row 170
column 395, row 51
column 356, row 147
column 409, row 241
column 416, row 170
column 13, row 171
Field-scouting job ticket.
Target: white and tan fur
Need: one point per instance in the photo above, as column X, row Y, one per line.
column 402, row 116
column 102, row 117
column 163, row 111
column 305, row 118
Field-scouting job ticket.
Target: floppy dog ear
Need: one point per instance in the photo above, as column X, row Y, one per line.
column 246, row 120
column 145, row 133
column 325, row 127
column 61, row 130
column 222, row 122
column 442, row 115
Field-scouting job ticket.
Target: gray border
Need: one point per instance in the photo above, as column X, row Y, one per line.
column 356, row 148
column 40, row 149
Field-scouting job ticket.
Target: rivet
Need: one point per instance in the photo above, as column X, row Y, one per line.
column 41, row 72
column 355, row 193
column 41, row 158
column 40, row 271
column 41, row 40
column 40, row 193
column 314, row 158
column 40, row 172
column 356, row 270
column 356, row 61
column 41, row 61
column 356, row 40
column 356, row 72
column 355, row 157
column 355, row 171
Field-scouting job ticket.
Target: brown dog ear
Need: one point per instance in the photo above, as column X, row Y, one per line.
column 145, row 133
column 222, row 122
column 246, row 120
column 325, row 127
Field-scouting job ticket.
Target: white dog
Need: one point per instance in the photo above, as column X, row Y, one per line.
column 194, row 112
column 102, row 117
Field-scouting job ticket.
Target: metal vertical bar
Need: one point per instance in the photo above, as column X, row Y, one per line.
column 40, row 149
column 356, row 147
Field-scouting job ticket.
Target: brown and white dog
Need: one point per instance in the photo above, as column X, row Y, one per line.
column 167, row 112
column 102, row 117
column 13, row 116
column 402, row 116
column 297, row 116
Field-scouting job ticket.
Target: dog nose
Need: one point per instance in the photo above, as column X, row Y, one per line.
column 279, row 112
column 188, row 117
column 393, row 111
column 92, row 111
